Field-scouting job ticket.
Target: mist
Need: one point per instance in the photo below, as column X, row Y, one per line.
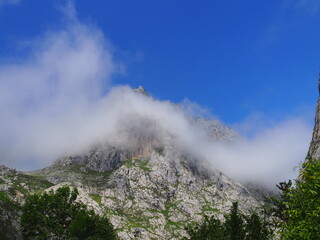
column 60, row 99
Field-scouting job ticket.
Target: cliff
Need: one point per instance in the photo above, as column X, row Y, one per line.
column 314, row 150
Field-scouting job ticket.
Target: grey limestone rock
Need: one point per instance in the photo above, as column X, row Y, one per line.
column 141, row 90
column 155, row 197
column 314, row 149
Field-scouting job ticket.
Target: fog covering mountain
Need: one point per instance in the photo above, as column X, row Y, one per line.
column 149, row 184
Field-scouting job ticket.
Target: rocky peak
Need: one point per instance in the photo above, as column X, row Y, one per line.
column 141, row 90
column 5, row 171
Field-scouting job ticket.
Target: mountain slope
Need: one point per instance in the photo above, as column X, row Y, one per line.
column 155, row 197
column 152, row 191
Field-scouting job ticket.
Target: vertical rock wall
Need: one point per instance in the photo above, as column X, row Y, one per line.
column 314, row 150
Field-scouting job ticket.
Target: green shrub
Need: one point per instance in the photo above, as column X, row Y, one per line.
column 57, row 215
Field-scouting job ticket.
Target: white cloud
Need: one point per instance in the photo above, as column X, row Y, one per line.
column 269, row 155
column 43, row 99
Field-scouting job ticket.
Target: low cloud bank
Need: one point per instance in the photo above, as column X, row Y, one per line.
column 270, row 155
column 59, row 100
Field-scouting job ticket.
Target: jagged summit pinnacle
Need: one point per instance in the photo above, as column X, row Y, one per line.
column 141, row 90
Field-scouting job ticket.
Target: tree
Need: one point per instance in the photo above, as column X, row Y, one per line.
column 279, row 204
column 302, row 201
column 235, row 227
column 57, row 215
column 209, row 229
column 234, row 224
column 88, row 225
column 256, row 228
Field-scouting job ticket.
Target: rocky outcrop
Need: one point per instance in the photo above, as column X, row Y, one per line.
column 158, row 197
column 314, row 150
column 141, row 90
column 9, row 209
column 216, row 130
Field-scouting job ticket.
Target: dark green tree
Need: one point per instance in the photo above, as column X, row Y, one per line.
column 256, row 228
column 88, row 225
column 57, row 215
column 209, row 229
column 279, row 203
column 234, row 224
column 236, row 227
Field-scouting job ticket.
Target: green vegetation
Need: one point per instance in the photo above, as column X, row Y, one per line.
column 2, row 181
column 299, row 205
column 137, row 163
column 235, row 227
column 26, row 184
column 256, row 228
column 209, row 208
column 35, row 182
column 7, row 203
column 209, row 229
column 96, row 197
column 81, row 173
column 57, row 215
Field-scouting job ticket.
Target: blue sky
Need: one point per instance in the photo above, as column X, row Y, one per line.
column 236, row 58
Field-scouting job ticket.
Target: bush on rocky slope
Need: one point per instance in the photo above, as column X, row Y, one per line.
column 57, row 215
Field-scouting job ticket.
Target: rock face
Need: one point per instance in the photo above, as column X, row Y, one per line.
column 314, row 150
column 141, row 90
column 9, row 210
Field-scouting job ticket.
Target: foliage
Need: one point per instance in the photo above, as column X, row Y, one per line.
column 302, row 204
column 57, row 215
column 234, row 224
column 279, row 204
column 256, row 228
column 209, row 229
column 88, row 225
column 235, row 227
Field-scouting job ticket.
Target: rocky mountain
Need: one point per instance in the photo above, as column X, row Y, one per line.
column 150, row 189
